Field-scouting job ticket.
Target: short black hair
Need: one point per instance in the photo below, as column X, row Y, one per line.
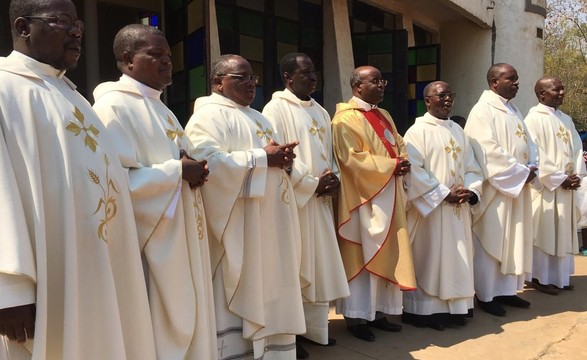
column 20, row 8
column 289, row 63
column 131, row 38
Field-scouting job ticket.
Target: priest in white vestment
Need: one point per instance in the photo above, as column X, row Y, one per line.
column 443, row 183
column 296, row 116
column 560, row 170
column 170, row 214
column 372, row 229
column 70, row 266
column 502, row 229
column 251, row 212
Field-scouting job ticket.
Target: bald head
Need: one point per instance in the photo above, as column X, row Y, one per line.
column 550, row 91
column 368, row 84
column 543, row 84
column 131, row 38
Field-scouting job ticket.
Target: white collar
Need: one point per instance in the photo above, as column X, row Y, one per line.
column 145, row 90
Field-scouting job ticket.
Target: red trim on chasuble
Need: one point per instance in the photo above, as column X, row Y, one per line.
column 379, row 123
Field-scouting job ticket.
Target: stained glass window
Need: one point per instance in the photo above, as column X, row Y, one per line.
column 263, row 31
column 186, row 33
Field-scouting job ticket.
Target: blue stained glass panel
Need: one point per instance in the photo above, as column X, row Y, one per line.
column 195, row 49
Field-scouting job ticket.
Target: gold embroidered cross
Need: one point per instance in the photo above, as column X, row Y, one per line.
column 76, row 129
column 452, row 149
column 174, row 132
column 263, row 133
column 563, row 134
column 521, row 133
column 320, row 131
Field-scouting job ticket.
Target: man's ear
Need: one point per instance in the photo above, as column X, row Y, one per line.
column 22, row 28
column 286, row 76
column 127, row 58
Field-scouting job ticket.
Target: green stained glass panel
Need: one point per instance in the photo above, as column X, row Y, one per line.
column 427, row 55
column 420, row 107
column 412, row 57
column 360, row 44
column 197, row 82
column 380, row 43
column 287, row 32
column 250, row 24
column 225, row 18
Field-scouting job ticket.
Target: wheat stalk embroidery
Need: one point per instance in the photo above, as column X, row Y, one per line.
column 107, row 202
column 76, row 129
column 284, row 187
column 199, row 218
column 263, row 133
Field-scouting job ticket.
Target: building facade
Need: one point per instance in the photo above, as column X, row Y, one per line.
column 412, row 42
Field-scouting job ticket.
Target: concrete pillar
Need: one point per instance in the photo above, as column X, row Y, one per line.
column 92, row 53
column 517, row 44
column 213, row 38
column 338, row 55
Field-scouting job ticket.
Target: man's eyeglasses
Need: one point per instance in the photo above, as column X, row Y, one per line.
column 378, row 82
column 243, row 78
column 443, row 96
column 62, row 22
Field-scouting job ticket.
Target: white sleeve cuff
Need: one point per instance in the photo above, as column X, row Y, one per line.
column 429, row 201
column 256, row 176
column 511, row 181
column 16, row 290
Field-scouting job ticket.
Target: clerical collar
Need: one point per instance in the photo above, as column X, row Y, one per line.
column 291, row 95
column 37, row 66
column 363, row 104
column 507, row 103
column 145, row 90
column 550, row 108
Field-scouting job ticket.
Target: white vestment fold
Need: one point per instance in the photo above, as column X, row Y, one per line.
column 75, row 246
column 253, row 228
column 442, row 246
column 503, row 224
column 307, row 122
column 555, row 209
column 172, row 232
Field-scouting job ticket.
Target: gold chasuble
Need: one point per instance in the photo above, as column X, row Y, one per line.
column 366, row 145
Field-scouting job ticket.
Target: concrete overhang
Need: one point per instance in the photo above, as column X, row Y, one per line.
column 429, row 12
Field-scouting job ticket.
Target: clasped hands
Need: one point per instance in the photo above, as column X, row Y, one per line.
column 572, row 182
column 281, row 156
column 403, row 167
column 458, row 195
column 328, row 184
column 193, row 171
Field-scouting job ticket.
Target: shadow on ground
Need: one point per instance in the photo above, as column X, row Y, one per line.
column 522, row 334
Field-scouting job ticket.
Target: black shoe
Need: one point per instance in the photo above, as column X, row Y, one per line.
column 512, row 300
column 547, row 289
column 470, row 313
column 457, row 319
column 383, row 324
column 422, row 321
column 301, row 353
column 361, row 331
column 569, row 287
column 331, row 341
column 491, row 307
